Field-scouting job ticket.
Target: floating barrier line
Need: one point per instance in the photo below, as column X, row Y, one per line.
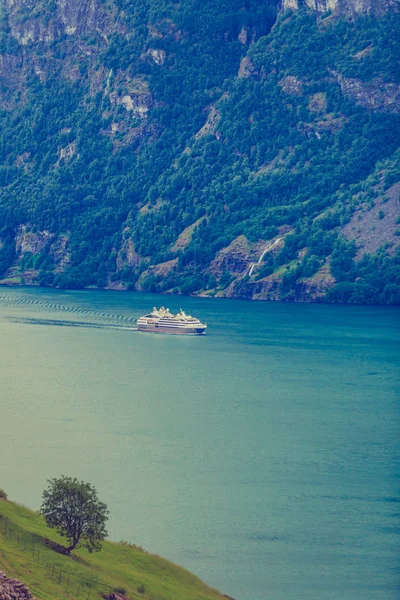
column 92, row 314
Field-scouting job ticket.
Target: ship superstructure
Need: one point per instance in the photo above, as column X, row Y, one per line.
column 163, row 321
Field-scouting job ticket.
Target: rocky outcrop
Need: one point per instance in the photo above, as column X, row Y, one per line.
column 66, row 153
column 246, row 68
column 185, row 237
column 374, row 95
column 28, row 241
column 159, row 272
column 348, row 7
column 292, row 85
column 374, row 227
column 71, row 17
column 32, row 31
column 165, row 268
column 136, row 97
column 60, row 252
column 36, row 242
column 127, row 256
column 82, row 16
column 312, row 289
column 157, row 55
column 12, row 589
column 248, row 289
column 235, row 258
column 210, row 126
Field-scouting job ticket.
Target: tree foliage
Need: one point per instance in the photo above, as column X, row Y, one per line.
column 72, row 508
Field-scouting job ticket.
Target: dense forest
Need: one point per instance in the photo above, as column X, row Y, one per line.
column 223, row 147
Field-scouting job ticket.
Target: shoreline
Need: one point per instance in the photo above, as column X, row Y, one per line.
column 201, row 295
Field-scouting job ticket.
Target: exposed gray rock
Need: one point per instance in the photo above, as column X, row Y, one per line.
column 60, row 252
column 246, row 68
column 292, row 85
column 28, row 241
column 127, row 256
column 348, row 7
column 374, row 95
column 70, row 17
column 235, row 258
column 12, row 589
column 375, row 227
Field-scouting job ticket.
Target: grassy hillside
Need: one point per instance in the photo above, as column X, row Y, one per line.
column 52, row 576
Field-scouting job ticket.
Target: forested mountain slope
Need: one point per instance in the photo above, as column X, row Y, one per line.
column 228, row 147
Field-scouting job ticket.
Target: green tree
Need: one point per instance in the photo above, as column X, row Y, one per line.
column 74, row 510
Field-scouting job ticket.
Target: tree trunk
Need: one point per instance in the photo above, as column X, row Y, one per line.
column 70, row 548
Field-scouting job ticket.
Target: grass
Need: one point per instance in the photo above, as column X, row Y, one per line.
column 52, row 576
column 284, row 268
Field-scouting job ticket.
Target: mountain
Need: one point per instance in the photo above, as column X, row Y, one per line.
column 239, row 148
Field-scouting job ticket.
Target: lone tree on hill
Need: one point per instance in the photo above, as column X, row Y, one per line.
column 74, row 510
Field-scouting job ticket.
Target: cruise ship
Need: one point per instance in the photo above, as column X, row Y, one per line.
column 163, row 321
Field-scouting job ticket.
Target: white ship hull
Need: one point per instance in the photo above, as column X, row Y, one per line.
column 163, row 321
column 173, row 330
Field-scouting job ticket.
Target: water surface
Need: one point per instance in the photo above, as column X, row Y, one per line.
column 264, row 457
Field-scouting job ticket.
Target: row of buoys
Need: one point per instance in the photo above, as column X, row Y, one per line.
column 92, row 314
column 61, row 323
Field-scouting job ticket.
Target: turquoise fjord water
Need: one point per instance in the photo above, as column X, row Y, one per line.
column 263, row 457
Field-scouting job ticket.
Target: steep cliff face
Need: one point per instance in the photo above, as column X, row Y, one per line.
column 375, row 95
column 347, row 7
column 46, row 21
